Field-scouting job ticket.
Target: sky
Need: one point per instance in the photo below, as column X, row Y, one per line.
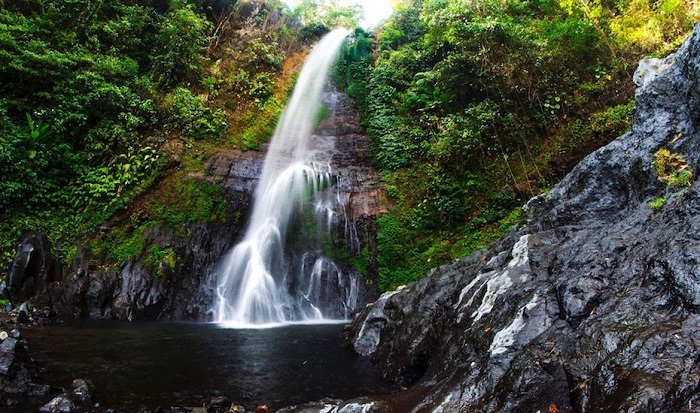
column 375, row 10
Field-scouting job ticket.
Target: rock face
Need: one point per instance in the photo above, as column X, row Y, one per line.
column 32, row 270
column 19, row 376
column 94, row 287
column 592, row 305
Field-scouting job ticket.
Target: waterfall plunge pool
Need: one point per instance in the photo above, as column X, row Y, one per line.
column 145, row 365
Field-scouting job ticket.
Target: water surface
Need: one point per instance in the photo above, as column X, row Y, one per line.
column 135, row 365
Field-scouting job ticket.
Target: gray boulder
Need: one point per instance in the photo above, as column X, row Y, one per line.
column 32, row 269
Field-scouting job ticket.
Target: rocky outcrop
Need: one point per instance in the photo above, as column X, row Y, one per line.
column 357, row 184
column 337, row 406
column 33, row 269
column 93, row 287
column 20, row 378
column 592, row 305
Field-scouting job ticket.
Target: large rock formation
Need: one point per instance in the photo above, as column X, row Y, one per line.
column 95, row 287
column 592, row 305
column 20, row 378
column 33, row 269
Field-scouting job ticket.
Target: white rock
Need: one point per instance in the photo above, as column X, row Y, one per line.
column 648, row 69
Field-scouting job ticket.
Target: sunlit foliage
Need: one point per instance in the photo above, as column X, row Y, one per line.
column 473, row 106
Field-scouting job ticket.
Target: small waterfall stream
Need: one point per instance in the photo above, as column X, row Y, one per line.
column 257, row 283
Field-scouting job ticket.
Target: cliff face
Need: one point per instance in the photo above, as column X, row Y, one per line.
column 92, row 286
column 592, row 305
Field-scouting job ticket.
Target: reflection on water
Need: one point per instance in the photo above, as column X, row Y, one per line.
column 137, row 365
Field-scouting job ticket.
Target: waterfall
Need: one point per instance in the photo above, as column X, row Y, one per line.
column 257, row 286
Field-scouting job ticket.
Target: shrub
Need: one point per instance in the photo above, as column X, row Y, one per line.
column 103, row 186
column 161, row 261
column 261, row 123
column 187, row 114
column 180, row 46
column 613, row 121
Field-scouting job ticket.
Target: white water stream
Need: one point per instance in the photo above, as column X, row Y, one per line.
column 255, row 287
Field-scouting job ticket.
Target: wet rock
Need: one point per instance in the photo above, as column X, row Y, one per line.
column 20, row 378
column 139, row 294
column 83, row 390
column 38, row 390
column 90, row 290
column 23, row 313
column 7, row 355
column 648, row 69
column 59, row 404
column 592, row 305
column 219, row 404
column 32, row 269
column 367, row 338
column 339, row 406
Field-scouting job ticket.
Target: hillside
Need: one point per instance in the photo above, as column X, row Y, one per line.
column 109, row 146
column 591, row 305
column 473, row 107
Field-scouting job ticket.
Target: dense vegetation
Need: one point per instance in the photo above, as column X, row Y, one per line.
column 99, row 101
column 473, row 106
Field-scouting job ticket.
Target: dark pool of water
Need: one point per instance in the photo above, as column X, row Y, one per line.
column 136, row 365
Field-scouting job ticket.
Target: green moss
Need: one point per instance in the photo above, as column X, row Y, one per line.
column 121, row 243
column 305, row 234
column 261, row 123
column 403, row 258
column 682, row 179
column 658, row 204
column 613, row 121
column 162, row 260
column 361, row 262
column 406, row 255
column 513, row 219
column 577, row 134
column 304, row 231
column 322, row 113
column 189, row 200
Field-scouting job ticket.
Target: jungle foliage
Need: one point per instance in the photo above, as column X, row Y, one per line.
column 92, row 93
column 473, row 106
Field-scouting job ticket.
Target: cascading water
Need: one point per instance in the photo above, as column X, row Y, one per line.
column 256, row 285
